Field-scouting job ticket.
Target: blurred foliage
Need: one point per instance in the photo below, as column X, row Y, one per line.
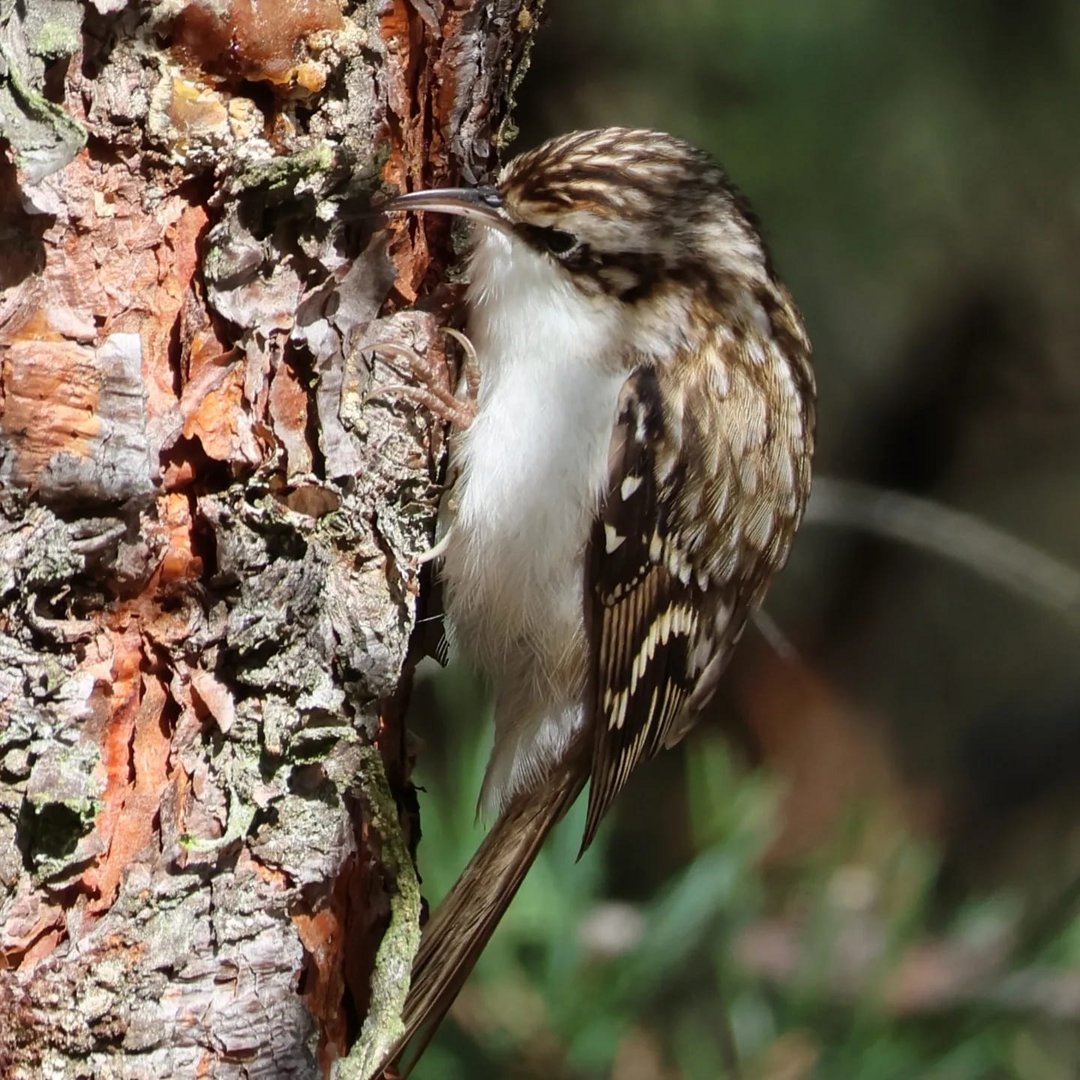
column 824, row 968
column 918, row 175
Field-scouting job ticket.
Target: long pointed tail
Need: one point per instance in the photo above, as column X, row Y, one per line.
column 456, row 935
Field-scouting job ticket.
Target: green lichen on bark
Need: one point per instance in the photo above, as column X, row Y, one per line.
column 44, row 136
column 393, row 961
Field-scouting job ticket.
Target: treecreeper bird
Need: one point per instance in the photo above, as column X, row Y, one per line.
column 631, row 481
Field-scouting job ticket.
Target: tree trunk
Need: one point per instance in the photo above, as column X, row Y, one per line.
column 208, row 525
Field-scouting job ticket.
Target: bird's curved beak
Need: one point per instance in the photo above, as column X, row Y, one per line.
column 481, row 204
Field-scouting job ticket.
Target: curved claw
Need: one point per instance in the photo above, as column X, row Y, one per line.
column 437, row 551
column 471, row 366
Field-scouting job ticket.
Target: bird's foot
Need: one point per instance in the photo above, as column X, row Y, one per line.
column 432, row 386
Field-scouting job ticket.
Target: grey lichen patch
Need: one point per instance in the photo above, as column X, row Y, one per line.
column 49, row 786
column 282, row 175
column 67, row 776
column 277, row 719
column 174, row 928
column 45, row 137
column 316, row 623
column 63, row 796
column 45, row 573
column 11, row 864
column 37, row 550
column 224, row 945
column 330, row 322
column 248, row 281
column 302, row 838
column 52, row 29
column 237, row 771
column 278, row 605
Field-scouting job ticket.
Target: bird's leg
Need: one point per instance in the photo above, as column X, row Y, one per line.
column 432, row 387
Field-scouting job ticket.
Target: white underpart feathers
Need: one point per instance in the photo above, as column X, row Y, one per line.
column 531, row 477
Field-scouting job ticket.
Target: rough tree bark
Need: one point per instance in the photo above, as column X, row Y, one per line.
column 207, row 527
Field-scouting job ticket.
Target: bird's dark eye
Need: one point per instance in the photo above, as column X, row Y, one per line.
column 555, row 241
column 558, row 242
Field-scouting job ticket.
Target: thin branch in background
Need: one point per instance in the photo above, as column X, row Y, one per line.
column 775, row 637
column 962, row 538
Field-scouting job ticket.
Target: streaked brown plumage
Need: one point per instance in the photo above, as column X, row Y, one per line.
column 634, row 477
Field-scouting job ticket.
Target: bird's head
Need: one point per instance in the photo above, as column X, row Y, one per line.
column 633, row 221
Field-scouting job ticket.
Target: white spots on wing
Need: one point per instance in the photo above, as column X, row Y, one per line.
column 641, row 661
column 785, row 477
column 701, row 654
column 762, row 322
column 718, row 496
column 675, row 621
column 695, row 534
column 788, row 392
column 754, row 350
column 629, row 485
column 667, row 460
column 656, row 546
column 627, row 586
column 745, row 422
column 629, row 759
column 719, row 382
column 711, row 461
column 759, row 526
column 691, row 501
column 749, row 474
column 677, row 563
column 726, row 561
column 612, row 539
column 757, row 419
column 641, row 431
column 617, row 715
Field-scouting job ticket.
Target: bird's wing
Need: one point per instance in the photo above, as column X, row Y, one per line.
column 669, row 578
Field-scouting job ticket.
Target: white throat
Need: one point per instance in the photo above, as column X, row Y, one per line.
column 524, row 306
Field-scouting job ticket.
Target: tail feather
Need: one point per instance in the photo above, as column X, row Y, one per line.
column 463, row 924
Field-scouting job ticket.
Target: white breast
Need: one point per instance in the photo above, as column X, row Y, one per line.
column 533, row 466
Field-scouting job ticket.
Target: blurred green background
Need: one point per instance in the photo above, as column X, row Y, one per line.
column 865, row 861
